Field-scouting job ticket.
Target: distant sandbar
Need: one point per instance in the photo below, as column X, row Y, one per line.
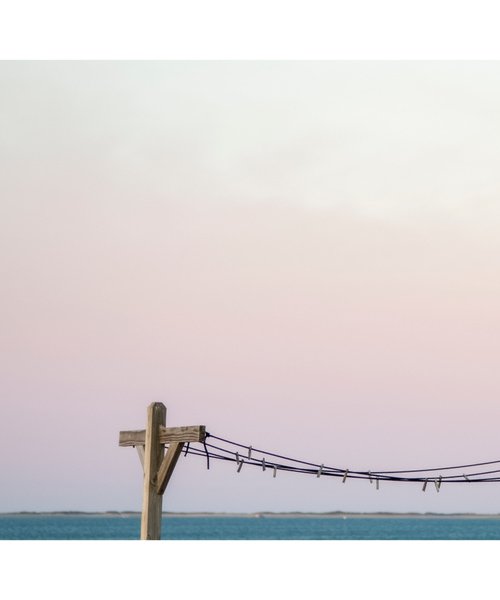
column 262, row 515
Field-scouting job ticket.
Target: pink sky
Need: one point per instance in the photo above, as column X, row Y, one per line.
column 301, row 256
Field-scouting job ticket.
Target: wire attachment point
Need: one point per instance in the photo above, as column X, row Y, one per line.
column 207, row 454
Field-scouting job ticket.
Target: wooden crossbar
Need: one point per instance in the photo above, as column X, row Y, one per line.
column 192, row 433
column 157, row 464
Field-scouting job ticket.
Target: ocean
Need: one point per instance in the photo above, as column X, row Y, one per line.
column 127, row 527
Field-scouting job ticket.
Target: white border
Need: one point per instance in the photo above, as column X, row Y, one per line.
column 222, row 570
column 261, row 29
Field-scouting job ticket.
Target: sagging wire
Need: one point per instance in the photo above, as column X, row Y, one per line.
column 232, row 455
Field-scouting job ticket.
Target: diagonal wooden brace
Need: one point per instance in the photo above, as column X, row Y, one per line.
column 140, row 452
column 158, row 466
column 167, row 466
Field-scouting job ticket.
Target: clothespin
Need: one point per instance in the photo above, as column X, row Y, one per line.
column 240, row 465
column 275, row 469
column 237, row 458
column 263, row 464
column 377, row 482
column 320, row 470
column 425, row 485
column 370, row 476
column 466, row 478
column 438, row 483
column 250, row 452
column 345, row 475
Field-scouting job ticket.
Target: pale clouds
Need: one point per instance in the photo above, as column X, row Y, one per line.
column 393, row 140
column 262, row 246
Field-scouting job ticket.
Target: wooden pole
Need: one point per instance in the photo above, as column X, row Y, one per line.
column 153, row 456
column 158, row 466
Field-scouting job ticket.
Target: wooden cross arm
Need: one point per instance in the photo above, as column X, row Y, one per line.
column 193, row 433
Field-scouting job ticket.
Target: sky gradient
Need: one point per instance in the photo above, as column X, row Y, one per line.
column 303, row 256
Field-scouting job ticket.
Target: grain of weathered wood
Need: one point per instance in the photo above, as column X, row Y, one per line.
column 153, row 456
column 192, row 433
column 157, row 468
column 132, row 438
column 168, row 465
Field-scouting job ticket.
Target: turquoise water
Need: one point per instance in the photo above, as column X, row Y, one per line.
column 42, row 527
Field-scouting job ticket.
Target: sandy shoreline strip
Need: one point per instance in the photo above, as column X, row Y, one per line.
column 262, row 515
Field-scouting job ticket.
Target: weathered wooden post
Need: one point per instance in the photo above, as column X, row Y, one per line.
column 158, row 466
column 153, row 455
